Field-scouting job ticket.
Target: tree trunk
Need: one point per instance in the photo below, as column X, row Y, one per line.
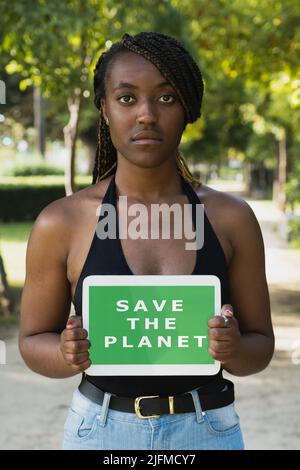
column 91, row 156
column 70, row 137
column 6, row 303
column 2, row 92
column 39, row 121
column 248, row 179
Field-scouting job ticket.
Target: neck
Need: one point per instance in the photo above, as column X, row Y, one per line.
column 148, row 184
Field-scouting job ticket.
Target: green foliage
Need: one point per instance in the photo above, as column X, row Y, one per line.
column 13, row 243
column 248, row 52
column 42, row 169
column 15, row 232
column 22, row 200
column 41, row 181
column 293, row 191
column 55, row 45
column 261, row 149
column 294, row 232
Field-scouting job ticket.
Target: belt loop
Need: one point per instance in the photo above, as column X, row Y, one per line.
column 104, row 408
column 197, row 405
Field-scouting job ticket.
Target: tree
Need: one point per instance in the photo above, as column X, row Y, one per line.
column 55, row 45
column 258, row 43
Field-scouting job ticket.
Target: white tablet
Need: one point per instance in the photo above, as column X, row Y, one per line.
column 150, row 324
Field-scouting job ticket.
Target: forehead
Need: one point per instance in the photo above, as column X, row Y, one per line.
column 133, row 68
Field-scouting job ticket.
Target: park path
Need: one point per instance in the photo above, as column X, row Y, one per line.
column 269, row 402
column 33, row 408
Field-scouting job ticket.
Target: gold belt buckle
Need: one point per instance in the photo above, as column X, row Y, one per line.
column 138, row 410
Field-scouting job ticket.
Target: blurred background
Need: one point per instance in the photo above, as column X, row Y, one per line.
column 247, row 142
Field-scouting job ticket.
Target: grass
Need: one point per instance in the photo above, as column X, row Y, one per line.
column 13, row 243
column 41, row 180
column 295, row 244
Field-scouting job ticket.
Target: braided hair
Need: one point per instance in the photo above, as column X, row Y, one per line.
column 175, row 64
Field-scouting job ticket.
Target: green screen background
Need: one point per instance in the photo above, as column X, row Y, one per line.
column 104, row 320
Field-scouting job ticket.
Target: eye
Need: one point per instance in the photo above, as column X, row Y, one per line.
column 173, row 98
column 170, row 96
column 124, row 96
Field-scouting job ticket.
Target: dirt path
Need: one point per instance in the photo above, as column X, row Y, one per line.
column 33, row 408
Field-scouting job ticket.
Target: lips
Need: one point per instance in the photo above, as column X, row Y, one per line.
column 146, row 136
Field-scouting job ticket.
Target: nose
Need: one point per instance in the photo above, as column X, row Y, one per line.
column 146, row 113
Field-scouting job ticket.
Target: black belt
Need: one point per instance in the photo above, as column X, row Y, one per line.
column 153, row 406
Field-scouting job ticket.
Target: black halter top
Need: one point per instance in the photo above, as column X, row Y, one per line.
column 106, row 257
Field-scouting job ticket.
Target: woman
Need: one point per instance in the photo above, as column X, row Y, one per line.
column 146, row 87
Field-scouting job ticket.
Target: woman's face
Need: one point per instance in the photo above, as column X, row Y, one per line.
column 139, row 98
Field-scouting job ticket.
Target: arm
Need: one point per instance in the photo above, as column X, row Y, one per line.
column 247, row 346
column 45, row 303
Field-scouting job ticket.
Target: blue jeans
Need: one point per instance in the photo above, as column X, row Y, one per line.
column 91, row 426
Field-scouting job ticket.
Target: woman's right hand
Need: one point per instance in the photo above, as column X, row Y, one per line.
column 74, row 344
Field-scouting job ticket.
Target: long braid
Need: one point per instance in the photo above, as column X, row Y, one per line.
column 175, row 64
column 106, row 154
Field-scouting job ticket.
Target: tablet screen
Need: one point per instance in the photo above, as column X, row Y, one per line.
column 150, row 324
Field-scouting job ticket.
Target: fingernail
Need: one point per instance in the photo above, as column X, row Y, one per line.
column 70, row 321
column 229, row 312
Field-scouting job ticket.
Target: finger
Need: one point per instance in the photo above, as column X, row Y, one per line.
column 220, row 334
column 78, row 358
column 219, row 346
column 227, row 310
column 218, row 322
column 81, row 367
column 219, row 356
column 227, row 323
column 74, row 321
column 75, row 334
column 77, row 346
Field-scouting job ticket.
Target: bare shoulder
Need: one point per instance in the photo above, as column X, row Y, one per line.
column 232, row 214
column 235, row 207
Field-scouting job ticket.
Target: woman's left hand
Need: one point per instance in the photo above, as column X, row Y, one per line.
column 224, row 335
